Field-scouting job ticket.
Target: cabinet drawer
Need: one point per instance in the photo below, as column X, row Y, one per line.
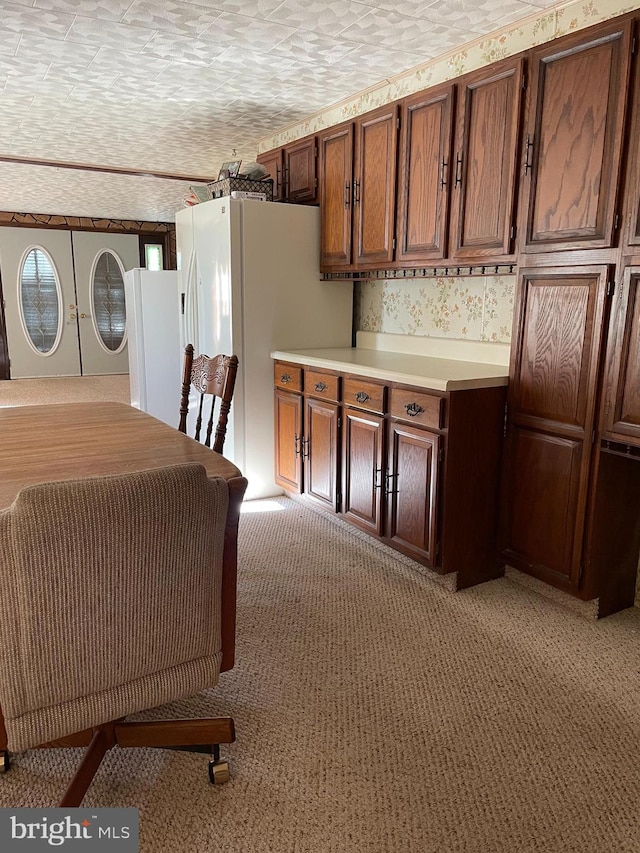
column 323, row 385
column 363, row 394
column 287, row 376
column 417, row 407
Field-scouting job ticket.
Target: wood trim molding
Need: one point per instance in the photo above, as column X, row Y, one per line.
column 111, row 170
column 87, row 223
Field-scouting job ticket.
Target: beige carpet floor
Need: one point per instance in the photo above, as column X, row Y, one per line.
column 378, row 712
column 65, row 389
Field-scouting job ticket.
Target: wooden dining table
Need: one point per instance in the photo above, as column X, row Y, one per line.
column 69, row 441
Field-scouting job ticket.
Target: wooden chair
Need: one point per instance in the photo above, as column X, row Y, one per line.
column 115, row 600
column 215, row 377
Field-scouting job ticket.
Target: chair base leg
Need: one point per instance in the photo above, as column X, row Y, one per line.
column 101, row 742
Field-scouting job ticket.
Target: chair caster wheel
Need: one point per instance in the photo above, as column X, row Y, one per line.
column 5, row 764
column 219, row 772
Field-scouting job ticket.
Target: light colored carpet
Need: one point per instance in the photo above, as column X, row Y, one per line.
column 378, row 712
column 65, row 389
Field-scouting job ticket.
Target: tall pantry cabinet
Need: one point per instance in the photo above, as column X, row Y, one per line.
column 558, row 520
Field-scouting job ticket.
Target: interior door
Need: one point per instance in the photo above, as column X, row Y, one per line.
column 40, row 302
column 100, row 261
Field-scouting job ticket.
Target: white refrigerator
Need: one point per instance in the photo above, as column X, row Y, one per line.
column 248, row 282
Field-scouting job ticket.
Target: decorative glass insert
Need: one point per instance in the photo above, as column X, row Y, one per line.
column 107, row 296
column 40, row 299
column 153, row 256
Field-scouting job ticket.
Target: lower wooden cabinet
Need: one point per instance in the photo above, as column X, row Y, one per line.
column 288, row 439
column 320, row 450
column 364, row 471
column 412, row 491
column 417, row 469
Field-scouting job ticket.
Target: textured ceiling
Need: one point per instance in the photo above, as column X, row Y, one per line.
column 179, row 87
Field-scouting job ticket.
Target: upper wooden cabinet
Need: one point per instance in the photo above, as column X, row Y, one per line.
column 357, row 191
column 336, row 173
column 374, row 186
column 273, row 161
column 622, row 405
column 300, row 170
column 294, row 170
column 424, row 175
column 573, row 139
column 483, row 172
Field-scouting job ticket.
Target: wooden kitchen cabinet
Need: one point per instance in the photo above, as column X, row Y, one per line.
column 363, row 469
column 573, row 139
column 321, row 451
column 554, row 374
column 484, row 169
column 363, row 448
column 412, row 491
column 300, row 171
column 621, row 420
column 357, row 192
column 288, row 424
column 424, row 175
column 273, row 161
column 417, row 469
column 293, row 169
column 336, row 176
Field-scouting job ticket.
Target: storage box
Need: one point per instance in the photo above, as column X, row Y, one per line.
column 226, row 186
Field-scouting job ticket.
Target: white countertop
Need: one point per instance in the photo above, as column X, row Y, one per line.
column 438, row 374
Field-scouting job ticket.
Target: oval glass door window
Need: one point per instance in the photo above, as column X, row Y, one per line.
column 107, row 301
column 40, row 301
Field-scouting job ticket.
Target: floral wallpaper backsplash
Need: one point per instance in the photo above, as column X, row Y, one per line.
column 474, row 308
column 540, row 27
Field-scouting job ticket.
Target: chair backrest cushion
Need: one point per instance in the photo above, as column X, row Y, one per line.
column 111, row 598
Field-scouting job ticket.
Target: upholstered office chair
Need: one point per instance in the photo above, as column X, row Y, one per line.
column 211, row 377
column 112, row 592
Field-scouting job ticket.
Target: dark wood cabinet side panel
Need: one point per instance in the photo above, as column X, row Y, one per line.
column 541, row 530
column 613, row 540
column 288, row 435
column 321, row 451
column 363, row 468
column 470, row 489
column 425, row 175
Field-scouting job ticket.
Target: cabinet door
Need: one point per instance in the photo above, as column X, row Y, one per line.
column 321, row 451
column 374, row 198
column 300, row 171
column 336, row 165
column 412, row 491
column 622, row 407
column 485, row 164
column 573, row 140
column 424, row 175
column 553, row 389
column 288, row 441
column 363, row 468
column 273, row 161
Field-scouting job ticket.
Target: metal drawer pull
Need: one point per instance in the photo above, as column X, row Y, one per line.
column 298, row 448
column 362, row 396
column 285, row 378
column 320, row 386
column 413, row 409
